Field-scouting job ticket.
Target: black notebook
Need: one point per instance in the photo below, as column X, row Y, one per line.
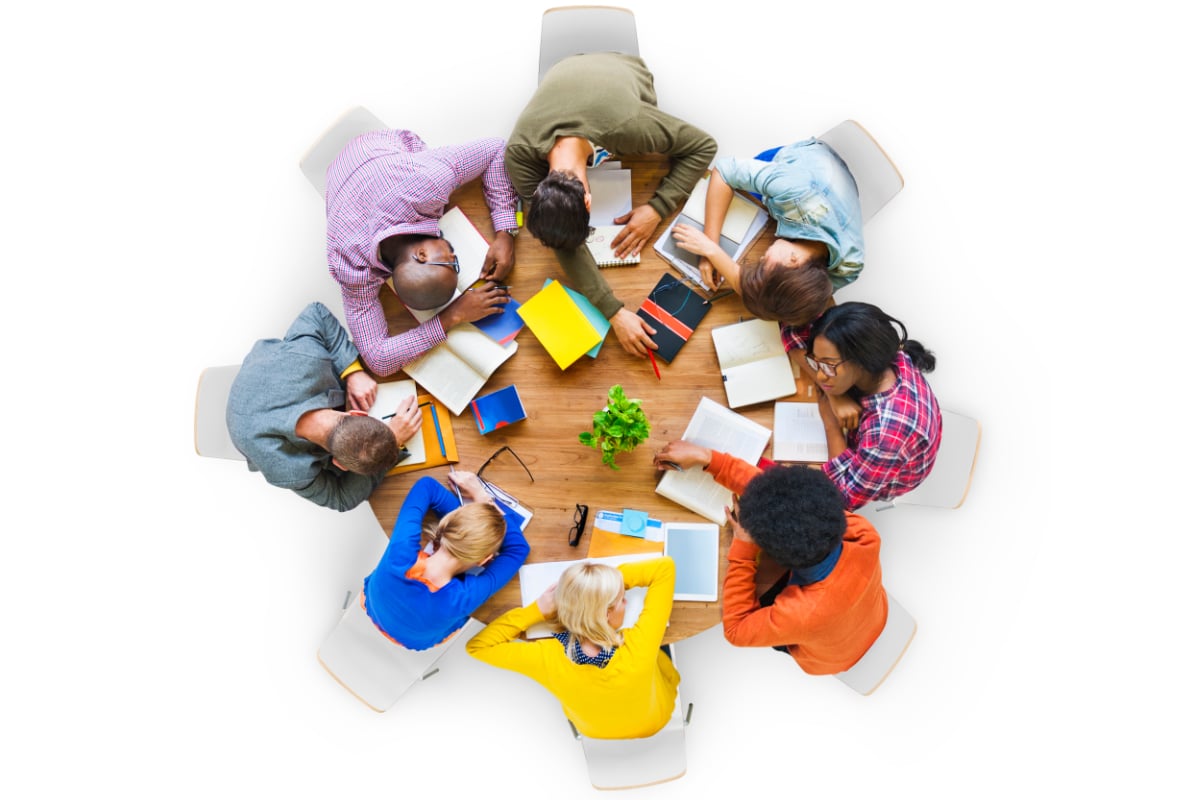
column 674, row 311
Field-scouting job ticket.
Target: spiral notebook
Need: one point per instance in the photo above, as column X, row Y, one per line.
column 600, row 246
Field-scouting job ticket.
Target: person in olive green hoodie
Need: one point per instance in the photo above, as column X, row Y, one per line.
column 587, row 108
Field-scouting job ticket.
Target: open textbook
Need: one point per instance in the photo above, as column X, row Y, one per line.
column 754, row 366
column 799, row 433
column 717, row 428
column 457, row 369
column 536, row 578
column 743, row 222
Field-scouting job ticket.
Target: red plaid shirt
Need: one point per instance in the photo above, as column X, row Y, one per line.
column 386, row 183
column 896, row 442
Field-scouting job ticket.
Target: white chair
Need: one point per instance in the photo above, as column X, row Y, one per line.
column 354, row 122
column 877, row 177
column 630, row 763
column 571, row 30
column 950, row 479
column 879, row 661
column 374, row 668
column 211, row 432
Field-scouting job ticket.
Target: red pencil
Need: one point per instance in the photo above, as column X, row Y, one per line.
column 653, row 363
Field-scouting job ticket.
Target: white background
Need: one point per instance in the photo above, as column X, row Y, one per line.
column 162, row 612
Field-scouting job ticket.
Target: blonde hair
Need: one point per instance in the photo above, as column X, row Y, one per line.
column 584, row 596
column 471, row 533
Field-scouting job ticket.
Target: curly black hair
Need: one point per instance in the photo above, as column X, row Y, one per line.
column 795, row 514
column 557, row 215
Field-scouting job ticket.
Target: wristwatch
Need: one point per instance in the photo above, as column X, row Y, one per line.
column 512, row 232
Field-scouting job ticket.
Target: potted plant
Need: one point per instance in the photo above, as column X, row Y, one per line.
column 618, row 427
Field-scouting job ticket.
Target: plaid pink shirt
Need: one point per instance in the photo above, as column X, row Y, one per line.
column 896, row 443
column 386, row 183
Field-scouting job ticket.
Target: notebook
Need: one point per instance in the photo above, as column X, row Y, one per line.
column 612, row 194
column 387, row 400
column 600, row 246
column 693, row 546
column 754, row 366
column 592, row 313
column 717, row 428
column 437, row 435
column 536, row 578
column 497, row 409
column 673, row 311
column 559, row 325
column 799, row 433
column 457, row 369
column 743, row 222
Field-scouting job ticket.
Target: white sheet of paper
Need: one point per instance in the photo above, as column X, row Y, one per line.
column 536, row 578
column 387, row 398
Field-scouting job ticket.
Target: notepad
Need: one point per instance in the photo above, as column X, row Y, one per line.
column 717, row 428
column 536, row 578
column 457, row 369
column 799, row 433
column 599, row 244
column 673, row 311
column 437, row 437
column 559, row 324
column 497, row 409
column 694, row 546
column 754, row 365
column 387, row 399
column 743, row 222
column 612, row 194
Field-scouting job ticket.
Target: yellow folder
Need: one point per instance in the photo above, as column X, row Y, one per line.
column 558, row 324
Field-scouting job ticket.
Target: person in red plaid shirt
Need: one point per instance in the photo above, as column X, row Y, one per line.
column 385, row 193
column 872, row 386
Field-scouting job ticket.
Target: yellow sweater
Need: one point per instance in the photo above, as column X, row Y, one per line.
column 633, row 696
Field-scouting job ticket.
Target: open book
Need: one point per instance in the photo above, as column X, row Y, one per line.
column 457, row 369
column 799, row 433
column 471, row 249
column 536, row 578
column 754, row 366
column 717, row 428
column 743, row 222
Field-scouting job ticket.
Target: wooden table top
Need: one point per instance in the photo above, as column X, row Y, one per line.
column 560, row 405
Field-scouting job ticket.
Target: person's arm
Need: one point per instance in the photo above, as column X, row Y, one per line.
column 863, row 473
column 425, row 495
column 584, row 276
column 497, row 644
column 658, row 575
column 525, row 168
column 486, row 157
column 319, row 323
column 746, row 623
column 383, row 354
column 712, row 257
column 339, row 490
column 497, row 572
column 691, row 151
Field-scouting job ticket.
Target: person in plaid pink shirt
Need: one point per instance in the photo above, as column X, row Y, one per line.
column 385, row 193
column 871, row 385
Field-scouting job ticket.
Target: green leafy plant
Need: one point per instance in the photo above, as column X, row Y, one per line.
column 618, row 427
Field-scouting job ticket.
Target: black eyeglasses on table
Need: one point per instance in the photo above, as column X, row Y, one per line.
column 492, row 488
column 581, row 514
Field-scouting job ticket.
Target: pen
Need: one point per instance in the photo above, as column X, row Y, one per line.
column 653, row 363
column 455, row 486
column 437, row 428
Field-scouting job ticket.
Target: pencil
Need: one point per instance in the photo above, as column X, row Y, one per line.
column 653, row 363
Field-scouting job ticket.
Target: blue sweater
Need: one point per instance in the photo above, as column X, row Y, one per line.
column 406, row 609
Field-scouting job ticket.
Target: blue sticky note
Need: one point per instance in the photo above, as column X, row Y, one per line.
column 633, row 523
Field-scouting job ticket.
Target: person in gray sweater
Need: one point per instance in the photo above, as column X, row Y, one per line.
column 589, row 107
column 297, row 411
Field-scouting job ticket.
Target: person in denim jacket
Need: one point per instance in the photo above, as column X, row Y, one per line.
column 813, row 199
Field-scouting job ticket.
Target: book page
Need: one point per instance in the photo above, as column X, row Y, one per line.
column 717, row 428
column 739, row 219
column 447, row 377
column 759, row 381
column 612, row 195
column 745, row 342
column 536, row 578
column 471, row 249
column 387, row 399
column 799, row 433
column 479, row 351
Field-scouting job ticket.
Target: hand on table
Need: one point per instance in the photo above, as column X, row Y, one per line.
column 633, row 333
column 499, row 259
column 695, row 242
column 639, row 227
column 475, row 303
column 471, row 486
column 846, row 409
column 546, row 603
column 360, row 391
column 685, row 454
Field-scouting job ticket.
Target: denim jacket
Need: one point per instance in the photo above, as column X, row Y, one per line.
column 811, row 195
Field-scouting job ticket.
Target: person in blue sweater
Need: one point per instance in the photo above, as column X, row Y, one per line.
column 418, row 598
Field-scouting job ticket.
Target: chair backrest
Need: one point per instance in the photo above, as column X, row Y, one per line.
column 950, row 479
column 211, row 432
column 629, row 763
column 316, row 161
column 877, row 177
column 571, row 30
column 879, row 661
column 371, row 666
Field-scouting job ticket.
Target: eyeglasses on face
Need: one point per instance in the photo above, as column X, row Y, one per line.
column 826, row 368
column 581, row 515
column 452, row 264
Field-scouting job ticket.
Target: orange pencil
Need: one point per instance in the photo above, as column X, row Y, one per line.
column 653, row 363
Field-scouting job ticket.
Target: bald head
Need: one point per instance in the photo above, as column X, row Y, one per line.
column 420, row 284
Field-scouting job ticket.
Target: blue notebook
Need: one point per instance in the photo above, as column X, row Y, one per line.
column 497, row 409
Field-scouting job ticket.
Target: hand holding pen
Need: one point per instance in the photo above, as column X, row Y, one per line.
column 406, row 420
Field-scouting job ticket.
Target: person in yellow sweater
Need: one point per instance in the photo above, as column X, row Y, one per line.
column 612, row 684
